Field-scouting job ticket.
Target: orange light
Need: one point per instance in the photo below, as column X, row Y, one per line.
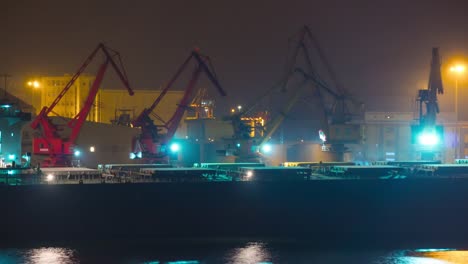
column 34, row 84
column 458, row 68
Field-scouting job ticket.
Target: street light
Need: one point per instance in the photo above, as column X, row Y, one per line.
column 458, row 70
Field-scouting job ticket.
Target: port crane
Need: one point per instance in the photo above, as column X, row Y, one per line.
column 333, row 118
column 427, row 134
column 151, row 145
column 58, row 149
column 335, row 102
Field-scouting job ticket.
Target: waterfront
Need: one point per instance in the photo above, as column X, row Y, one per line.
column 237, row 253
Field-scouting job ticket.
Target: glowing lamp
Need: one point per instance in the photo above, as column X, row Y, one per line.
column 266, row 148
column 50, row 177
column 428, row 139
column 175, row 147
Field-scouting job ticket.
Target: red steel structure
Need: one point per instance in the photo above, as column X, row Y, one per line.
column 152, row 146
column 58, row 149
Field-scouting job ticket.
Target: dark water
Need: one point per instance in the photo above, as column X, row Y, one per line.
column 243, row 253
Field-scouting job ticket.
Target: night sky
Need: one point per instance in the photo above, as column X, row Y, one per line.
column 376, row 47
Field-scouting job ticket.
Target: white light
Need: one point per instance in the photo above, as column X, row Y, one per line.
column 175, row 147
column 249, row 174
column 50, row 177
column 239, row 107
column 428, row 139
column 322, row 135
column 92, row 149
column 77, row 153
column 132, row 155
column 266, row 148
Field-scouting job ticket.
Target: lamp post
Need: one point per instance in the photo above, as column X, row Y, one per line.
column 458, row 70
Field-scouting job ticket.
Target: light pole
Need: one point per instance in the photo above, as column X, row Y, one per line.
column 458, row 70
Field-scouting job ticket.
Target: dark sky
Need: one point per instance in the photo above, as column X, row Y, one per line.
column 376, row 47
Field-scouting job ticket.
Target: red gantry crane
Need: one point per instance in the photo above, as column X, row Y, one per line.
column 58, row 149
column 151, row 145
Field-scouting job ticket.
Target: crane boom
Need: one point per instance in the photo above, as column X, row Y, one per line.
column 282, row 115
column 76, row 123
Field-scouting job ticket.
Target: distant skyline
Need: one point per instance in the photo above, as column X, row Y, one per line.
column 375, row 47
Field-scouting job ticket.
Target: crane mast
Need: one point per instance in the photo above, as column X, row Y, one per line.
column 58, row 149
column 429, row 96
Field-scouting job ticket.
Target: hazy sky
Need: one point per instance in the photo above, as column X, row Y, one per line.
column 376, row 47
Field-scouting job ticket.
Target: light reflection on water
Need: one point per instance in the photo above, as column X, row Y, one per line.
column 249, row 253
column 42, row 255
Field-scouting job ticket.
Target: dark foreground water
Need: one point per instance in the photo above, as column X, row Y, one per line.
column 252, row 252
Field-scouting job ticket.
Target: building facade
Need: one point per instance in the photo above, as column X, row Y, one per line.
column 72, row 101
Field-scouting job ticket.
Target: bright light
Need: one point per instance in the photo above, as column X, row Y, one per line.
column 428, row 139
column 35, row 84
column 77, row 153
column 249, row 174
column 457, row 68
column 139, row 155
column 322, row 135
column 238, row 145
column 11, row 156
column 92, row 149
column 132, row 155
column 50, row 255
column 266, row 148
column 175, row 147
column 239, row 107
column 50, row 177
